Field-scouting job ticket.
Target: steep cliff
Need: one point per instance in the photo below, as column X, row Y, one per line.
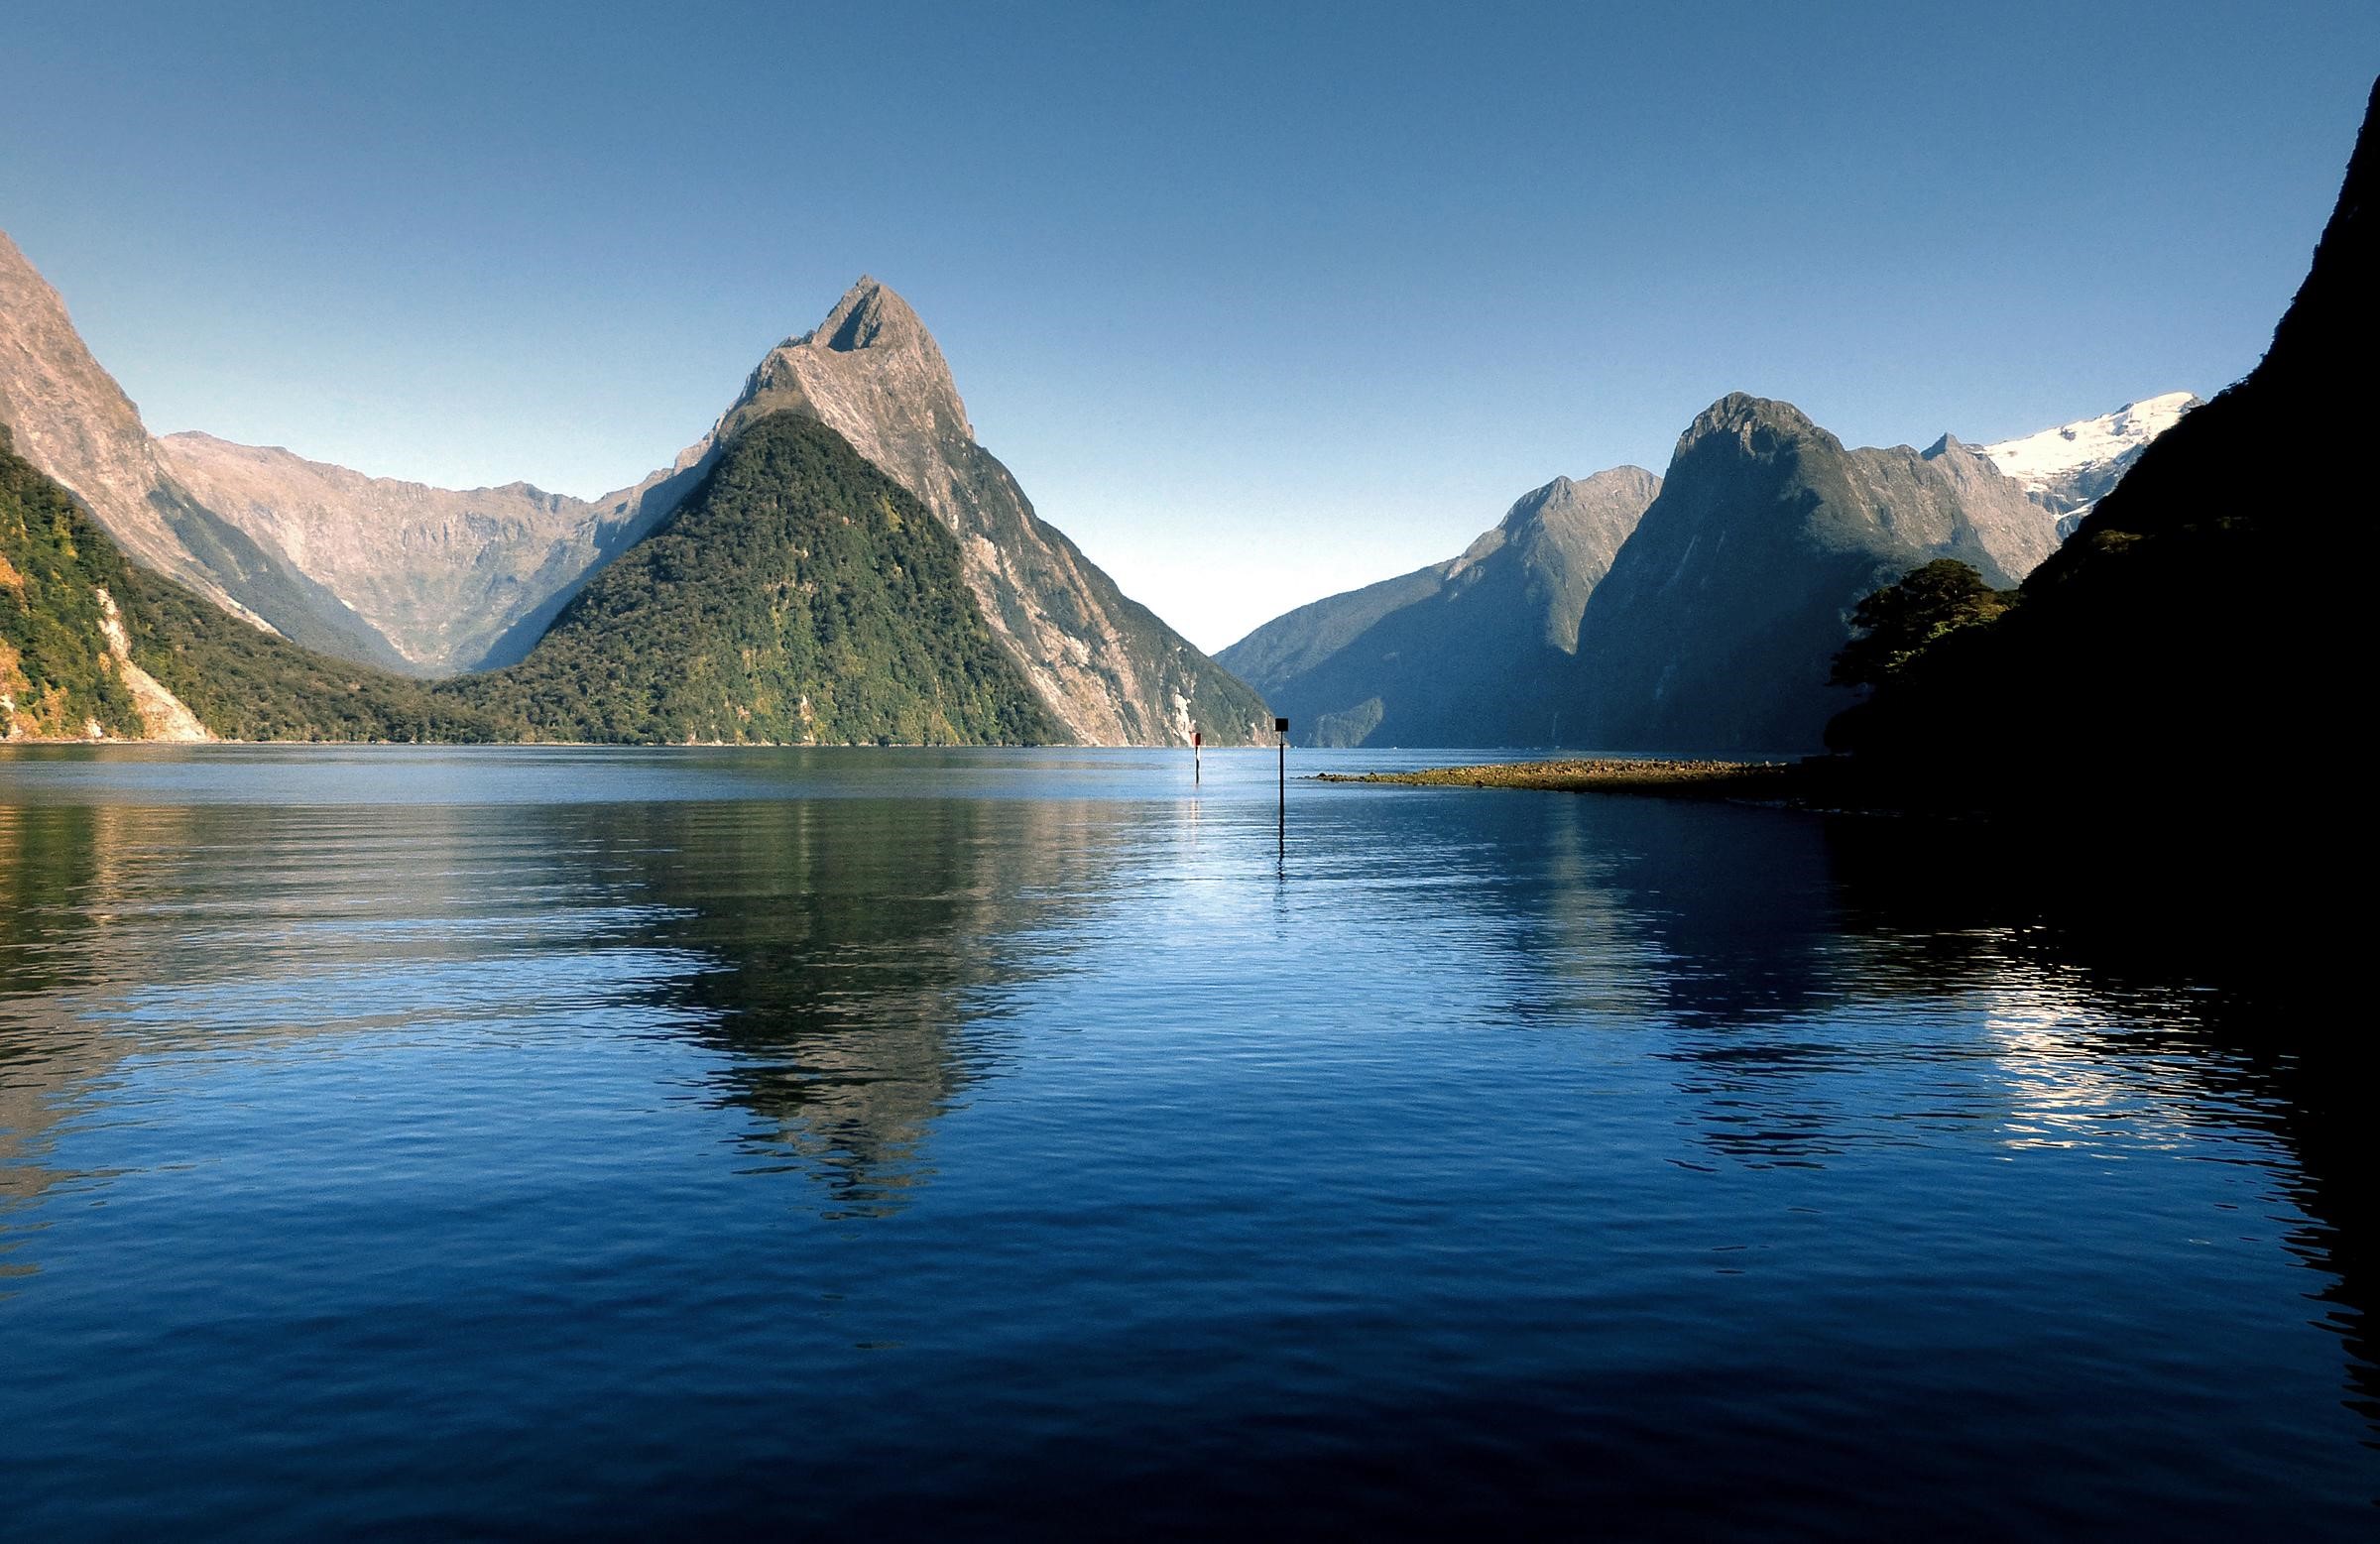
column 1472, row 652
column 72, row 420
column 2201, row 604
column 1715, row 626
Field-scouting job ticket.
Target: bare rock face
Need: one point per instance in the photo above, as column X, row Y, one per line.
column 1108, row 669
column 446, row 575
column 74, row 423
column 2008, row 523
column 164, row 716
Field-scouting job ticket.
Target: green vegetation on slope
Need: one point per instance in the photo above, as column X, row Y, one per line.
column 55, row 676
column 239, row 682
column 799, row 595
column 247, row 684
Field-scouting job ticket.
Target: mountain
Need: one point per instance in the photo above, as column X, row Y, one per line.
column 448, row 578
column 796, row 596
column 2203, row 620
column 1107, row 669
column 435, row 581
column 1470, row 651
column 396, row 574
column 66, row 666
column 92, row 646
column 2069, row 468
column 1716, row 624
column 72, row 420
column 470, row 580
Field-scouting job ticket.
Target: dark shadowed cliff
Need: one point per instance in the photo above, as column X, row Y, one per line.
column 2204, row 618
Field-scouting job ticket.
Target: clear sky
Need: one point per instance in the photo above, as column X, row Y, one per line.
column 1258, row 301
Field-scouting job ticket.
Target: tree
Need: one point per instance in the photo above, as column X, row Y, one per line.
column 1899, row 620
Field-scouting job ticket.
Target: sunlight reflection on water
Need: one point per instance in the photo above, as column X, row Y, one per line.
column 529, row 1142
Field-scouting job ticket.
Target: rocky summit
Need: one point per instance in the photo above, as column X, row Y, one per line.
column 1110, row 671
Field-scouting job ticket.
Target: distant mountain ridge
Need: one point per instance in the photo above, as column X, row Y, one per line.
column 444, row 575
column 1698, row 611
column 1465, row 651
column 435, row 581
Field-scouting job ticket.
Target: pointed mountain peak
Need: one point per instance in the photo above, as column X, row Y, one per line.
column 872, row 373
column 1530, row 506
column 870, row 315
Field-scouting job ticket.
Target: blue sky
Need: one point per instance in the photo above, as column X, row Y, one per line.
column 1258, row 301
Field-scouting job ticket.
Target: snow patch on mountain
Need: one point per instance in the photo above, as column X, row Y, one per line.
column 2069, row 467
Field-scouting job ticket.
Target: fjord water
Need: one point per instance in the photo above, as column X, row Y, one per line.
column 561, row 1142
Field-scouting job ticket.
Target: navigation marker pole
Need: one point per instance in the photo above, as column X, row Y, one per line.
column 1197, row 774
column 1281, row 730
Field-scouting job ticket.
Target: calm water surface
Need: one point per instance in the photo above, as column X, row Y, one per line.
column 425, row 1142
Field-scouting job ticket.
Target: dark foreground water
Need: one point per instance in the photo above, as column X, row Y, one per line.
column 514, row 1144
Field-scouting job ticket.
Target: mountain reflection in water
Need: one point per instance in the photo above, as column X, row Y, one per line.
column 501, row 1142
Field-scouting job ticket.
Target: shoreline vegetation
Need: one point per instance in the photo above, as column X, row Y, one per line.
column 1764, row 783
